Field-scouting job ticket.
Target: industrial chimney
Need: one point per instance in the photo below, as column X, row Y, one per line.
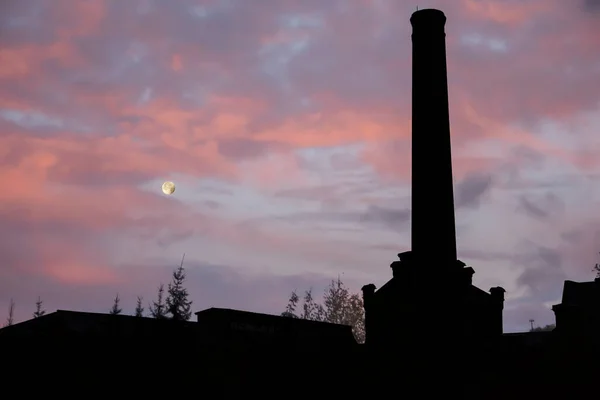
column 432, row 224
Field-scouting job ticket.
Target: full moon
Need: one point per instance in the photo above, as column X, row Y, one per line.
column 168, row 187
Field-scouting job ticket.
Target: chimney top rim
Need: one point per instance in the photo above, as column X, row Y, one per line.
column 427, row 16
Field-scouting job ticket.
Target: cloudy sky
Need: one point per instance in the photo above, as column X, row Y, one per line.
column 286, row 126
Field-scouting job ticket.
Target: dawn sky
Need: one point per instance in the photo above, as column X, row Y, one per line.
column 286, row 126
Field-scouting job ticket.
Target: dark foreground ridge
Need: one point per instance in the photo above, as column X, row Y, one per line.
column 429, row 330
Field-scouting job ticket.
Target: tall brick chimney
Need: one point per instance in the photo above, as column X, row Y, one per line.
column 433, row 225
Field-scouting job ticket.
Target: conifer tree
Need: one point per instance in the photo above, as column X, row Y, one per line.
column 139, row 309
column 11, row 312
column 115, row 310
column 157, row 308
column 39, row 311
column 178, row 305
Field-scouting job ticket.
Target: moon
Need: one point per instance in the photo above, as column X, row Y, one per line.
column 168, row 188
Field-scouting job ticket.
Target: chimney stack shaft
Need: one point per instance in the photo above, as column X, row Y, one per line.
column 433, row 231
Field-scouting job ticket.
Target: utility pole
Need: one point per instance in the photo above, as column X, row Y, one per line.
column 531, row 321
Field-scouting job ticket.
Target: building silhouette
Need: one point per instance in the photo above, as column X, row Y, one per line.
column 223, row 353
column 430, row 287
column 579, row 311
column 429, row 314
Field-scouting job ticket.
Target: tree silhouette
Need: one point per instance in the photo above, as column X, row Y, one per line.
column 11, row 312
column 543, row 328
column 139, row 309
column 290, row 309
column 178, row 305
column 311, row 309
column 115, row 310
column 597, row 269
column 339, row 307
column 39, row 311
column 157, row 308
